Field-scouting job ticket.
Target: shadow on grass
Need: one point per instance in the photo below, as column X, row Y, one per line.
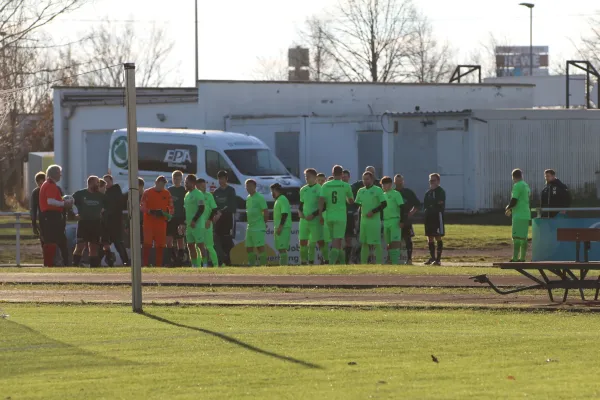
column 235, row 341
column 25, row 351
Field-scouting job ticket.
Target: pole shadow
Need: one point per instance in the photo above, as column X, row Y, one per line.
column 229, row 339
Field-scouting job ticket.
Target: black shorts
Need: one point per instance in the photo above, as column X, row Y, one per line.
column 112, row 231
column 350, row 225
column 52, row 227
column 434, row 224
column 173, row 227
column 89, row 231
column 408, row 231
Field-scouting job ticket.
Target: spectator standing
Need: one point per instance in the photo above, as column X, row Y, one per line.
column 226, row 200
column 34, row 206
column 52, row 207
column 555, row 195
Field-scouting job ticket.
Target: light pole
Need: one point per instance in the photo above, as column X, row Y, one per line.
column 530, row 6
column 196, row 40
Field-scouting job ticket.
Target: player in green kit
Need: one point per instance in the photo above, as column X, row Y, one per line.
column 521, row 215
column 193, row 203
column 206, row 221
column 310, row 230
column 282, row 223
column 372, row 201
column 321, row 179
column 178, row 193
column 334, row 196
column 392, row 220
column 257, row 214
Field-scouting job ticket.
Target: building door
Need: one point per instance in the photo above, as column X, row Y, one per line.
column 97, row 145
column 370, row 151
column 287, row 149
column 450, row 156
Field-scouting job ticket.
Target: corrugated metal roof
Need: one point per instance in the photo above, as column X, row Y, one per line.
column 417, row 114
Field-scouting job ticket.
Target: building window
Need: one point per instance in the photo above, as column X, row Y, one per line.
column 215, row 163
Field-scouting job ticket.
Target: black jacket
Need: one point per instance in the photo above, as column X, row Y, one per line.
column 34, row 207
column 115, row 203
column 555, row 195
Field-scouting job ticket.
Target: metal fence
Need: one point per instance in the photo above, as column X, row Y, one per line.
column 18, row 221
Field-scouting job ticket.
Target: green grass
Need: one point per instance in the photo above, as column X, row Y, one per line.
column 58, row 352
column 290, row 270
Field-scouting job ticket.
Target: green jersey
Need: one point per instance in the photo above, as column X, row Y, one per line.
column 178, row 194
column 309, row 198
column 89, row 204
column 394, row 202
column 192, row 201
column 335, row 193
column 522, row 193
column 282, row 206
column 369, row 198
column 255, row 207
column 210, row 204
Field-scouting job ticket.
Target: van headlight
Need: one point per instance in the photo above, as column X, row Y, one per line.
column 263, row 189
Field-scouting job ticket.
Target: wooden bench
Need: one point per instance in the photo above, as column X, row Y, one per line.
column 578, row 235
column 572, row 276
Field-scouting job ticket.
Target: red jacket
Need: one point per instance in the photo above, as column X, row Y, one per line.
column 50, row 197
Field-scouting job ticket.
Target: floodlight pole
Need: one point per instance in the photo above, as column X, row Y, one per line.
column 196, row 41
column 134, row 197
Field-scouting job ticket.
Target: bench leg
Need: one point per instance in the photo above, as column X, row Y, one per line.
column 565, row 296
column 545, row 277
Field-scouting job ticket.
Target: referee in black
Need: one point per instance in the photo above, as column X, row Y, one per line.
column 410, row 208
column 226, row 200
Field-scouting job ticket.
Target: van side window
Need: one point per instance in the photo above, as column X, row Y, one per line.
column 215, row 163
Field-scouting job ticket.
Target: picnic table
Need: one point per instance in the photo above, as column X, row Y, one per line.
column 553, row 275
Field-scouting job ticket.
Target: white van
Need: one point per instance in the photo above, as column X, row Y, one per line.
column 203, row 153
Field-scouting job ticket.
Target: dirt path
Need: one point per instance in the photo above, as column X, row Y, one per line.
column 306, row 281
column 291, row 299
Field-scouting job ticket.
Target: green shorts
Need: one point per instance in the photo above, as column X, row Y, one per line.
column 195, row 235
column 520, row 228
column 392, row 231
column 334, row 230
column 370, row 230
column 310, row 230
column 255, row 239
column 282, row 242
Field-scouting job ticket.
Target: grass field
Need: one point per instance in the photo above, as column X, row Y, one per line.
column 58, row 352
column 463, row 243
column 289, row 270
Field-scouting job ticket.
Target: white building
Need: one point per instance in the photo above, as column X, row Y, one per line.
column 307, row 124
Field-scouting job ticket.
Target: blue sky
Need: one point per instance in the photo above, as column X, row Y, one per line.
column 235, row 33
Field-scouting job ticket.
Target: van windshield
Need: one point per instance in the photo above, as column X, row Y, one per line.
column 256, row 162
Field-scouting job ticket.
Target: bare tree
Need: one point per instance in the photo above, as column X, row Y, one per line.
column 429, row 60
column 368, row 40
column 271, row 69
column 110, row 45
column 314, row 36
column 589, row 48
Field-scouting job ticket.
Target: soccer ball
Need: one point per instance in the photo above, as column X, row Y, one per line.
column 68, row 197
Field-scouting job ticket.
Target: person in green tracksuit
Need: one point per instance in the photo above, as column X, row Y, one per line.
column 310, row 230
column 282, row 223
column 392, row 220
column 519, row 209
column 257, row 214
column 333, row 198
column 206, row 221
column 194, row 205
column 372, row 201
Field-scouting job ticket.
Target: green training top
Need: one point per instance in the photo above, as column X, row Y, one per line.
column 522, row 193
column 335, row 193
column 178, row 194
column 309, row 195
column 394, row 201
column 89, row 204
column 255, row 205
column 210, row 204
column 191, row 202
column 369, row 198
column 282, row 206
